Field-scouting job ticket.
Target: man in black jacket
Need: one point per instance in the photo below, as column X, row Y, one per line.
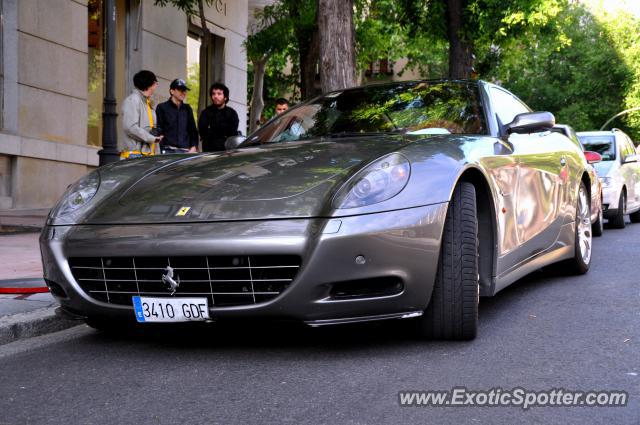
column 176, row 122
column 217, row 121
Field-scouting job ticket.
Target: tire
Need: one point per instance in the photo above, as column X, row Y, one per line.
column 452, row 312
column 597, row 228
column 583, row 246
column 635, row 217
column 617, row 221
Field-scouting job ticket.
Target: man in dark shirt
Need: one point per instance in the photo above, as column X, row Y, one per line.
column 217, row 121
column 176, row 122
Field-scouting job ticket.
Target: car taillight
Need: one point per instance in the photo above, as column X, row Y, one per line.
column 592, row 157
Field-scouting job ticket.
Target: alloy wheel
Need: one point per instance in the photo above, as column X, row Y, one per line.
column 584, row 226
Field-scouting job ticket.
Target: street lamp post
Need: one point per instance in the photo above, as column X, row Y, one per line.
column 626, row 111
column 109, row 152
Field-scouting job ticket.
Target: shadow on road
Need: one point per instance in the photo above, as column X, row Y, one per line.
column 285, row 335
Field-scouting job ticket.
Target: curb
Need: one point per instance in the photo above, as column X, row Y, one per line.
column 38, row 290
column 23, row 286
column 10, row 229
column 34, row 323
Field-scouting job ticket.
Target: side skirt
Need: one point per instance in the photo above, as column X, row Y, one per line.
column 560, row 251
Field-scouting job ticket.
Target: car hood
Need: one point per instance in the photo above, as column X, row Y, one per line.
column 281, row 181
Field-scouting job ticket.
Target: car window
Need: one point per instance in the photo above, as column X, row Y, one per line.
column 418, row 108
column 506, row 106
column 628, row 147
column 632, row 147
column 605, row 145
column 624, row 148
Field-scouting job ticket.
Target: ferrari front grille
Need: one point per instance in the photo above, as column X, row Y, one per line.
column 224, row 280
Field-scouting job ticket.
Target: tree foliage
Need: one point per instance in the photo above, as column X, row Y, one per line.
column 581, row 64
column 582, row 67
column 381, row 34
column 271, row 37
column 471, row 26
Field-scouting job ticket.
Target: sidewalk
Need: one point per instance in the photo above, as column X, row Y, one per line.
column 22, row 220
column 26, row 307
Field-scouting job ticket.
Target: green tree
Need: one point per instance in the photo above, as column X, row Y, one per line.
column 471, row 26
column 272, row 36
column 623, row 29
column 578, row 66
column 381, row 35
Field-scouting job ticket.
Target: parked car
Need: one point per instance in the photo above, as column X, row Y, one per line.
column 619, row 173
column 595, row 190
column 402, row 200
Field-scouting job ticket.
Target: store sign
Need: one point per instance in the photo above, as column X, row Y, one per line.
column 221, row 7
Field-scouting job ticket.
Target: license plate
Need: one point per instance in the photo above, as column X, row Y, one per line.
column 149, row 309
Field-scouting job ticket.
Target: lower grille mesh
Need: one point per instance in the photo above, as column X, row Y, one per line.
column 225, row 281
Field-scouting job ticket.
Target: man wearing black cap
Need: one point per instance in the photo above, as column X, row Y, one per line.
column 176, row 122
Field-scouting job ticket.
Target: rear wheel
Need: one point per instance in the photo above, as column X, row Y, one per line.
column 617, row 221
column 453, row 309
column 597, row 228
column 583, row 241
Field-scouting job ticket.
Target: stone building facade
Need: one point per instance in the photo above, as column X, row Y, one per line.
column 52, row 80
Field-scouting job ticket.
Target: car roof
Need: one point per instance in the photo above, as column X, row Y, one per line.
column 598, row 133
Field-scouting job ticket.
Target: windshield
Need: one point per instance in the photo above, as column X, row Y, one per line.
column 413, row 108
column 604, row 145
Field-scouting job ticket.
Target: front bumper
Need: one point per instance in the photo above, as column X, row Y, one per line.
column 403, row 244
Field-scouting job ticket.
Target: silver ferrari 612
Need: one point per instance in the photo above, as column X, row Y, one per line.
column 402, row 200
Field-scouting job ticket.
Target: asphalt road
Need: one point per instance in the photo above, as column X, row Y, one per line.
column 544, row 332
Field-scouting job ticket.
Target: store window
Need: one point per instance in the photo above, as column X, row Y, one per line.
column 193, row 71
column 213, row 63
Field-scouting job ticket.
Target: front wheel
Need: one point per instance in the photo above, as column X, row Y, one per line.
column 452, row 312
column 617, row 221
column 635, row 217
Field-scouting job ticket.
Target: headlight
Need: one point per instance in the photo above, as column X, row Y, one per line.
column 606, row 181
column 378, row 182
column 77, row 195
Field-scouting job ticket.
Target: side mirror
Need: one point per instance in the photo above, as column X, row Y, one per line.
column 630, row 158
column 531, row 122
column 233, row 142
column 592, row 157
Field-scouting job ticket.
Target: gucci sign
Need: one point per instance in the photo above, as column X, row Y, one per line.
column 221, row 7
